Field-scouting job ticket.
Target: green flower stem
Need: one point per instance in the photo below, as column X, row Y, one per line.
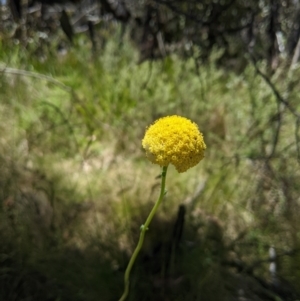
column 144, row 228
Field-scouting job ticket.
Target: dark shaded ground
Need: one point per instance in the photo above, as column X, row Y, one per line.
column 180, row 261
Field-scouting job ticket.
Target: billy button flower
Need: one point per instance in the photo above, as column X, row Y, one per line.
column 170, row 140
column 174, row 140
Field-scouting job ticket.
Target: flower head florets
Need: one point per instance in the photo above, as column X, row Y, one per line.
column 174, row 140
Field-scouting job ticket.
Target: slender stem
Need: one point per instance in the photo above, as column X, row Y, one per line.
column 144, row 228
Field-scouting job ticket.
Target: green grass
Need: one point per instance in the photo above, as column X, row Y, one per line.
column 75, row 185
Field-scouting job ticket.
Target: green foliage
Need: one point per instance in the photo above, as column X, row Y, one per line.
column 75, row 185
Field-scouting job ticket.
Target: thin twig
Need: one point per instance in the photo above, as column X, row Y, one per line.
column 50, row 79
column 280, row 101
column 297, row 135
column 277, row 94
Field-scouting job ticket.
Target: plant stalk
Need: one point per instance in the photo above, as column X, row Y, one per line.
column 144, row 228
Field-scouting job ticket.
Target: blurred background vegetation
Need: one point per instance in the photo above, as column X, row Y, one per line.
column 80, row 82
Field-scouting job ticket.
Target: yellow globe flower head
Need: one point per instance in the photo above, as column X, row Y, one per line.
column 174, row 140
